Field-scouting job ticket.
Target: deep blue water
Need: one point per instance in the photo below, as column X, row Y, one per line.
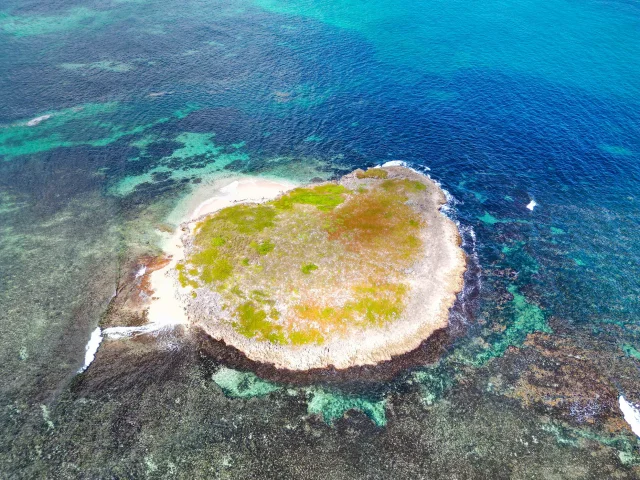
column 504, row 102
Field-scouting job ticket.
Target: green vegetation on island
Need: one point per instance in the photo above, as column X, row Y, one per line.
column 313, row 263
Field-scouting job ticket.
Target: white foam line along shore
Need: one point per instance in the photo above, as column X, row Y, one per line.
column 115, row 333
column 92, row 347
column 631, row 414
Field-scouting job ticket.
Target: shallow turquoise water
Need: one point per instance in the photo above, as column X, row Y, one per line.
column 504, row 101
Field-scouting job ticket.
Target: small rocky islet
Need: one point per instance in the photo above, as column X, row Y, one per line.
column 340, row 274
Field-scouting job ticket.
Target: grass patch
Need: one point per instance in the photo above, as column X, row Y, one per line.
column 186, row 281
column 378, row 219
column 378, row 305
column 245, row 218
column 306, row 337
column 218, row 241
column 218, row 271
column 183, row 279
column 371, row 306
column 378, row 173
column 404, row 184
column 236, row 291
column 252, row 321
column 324, row 197
column 264, row 247
column 308, row 268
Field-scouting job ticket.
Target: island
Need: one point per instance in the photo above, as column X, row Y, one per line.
column 335, row 274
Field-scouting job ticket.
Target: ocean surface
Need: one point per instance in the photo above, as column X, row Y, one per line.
column 527, row 113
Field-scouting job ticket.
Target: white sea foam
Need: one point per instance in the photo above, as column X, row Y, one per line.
column 449, row 207
column 631, row 415
column 92, row 347
column 123, row 332
column 469, row 243
column 115, row 333
column 395, row 163
column 35, row 121
column 451, row 200
column 531, row 205
column 401, row 163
